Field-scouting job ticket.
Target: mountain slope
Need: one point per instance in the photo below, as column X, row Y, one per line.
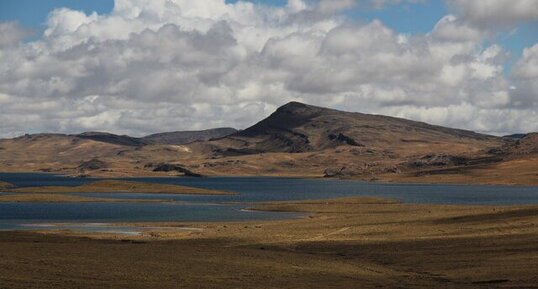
column 528, row 144
column 124, row 140
column 185, row 137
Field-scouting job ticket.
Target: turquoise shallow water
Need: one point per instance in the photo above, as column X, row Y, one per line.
column 249, row 189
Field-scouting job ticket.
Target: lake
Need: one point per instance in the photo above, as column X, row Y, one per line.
column 231, row 207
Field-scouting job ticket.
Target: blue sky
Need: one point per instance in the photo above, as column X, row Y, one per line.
column 33, row 13
column 405, row 18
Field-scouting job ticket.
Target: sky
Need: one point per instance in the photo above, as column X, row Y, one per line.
column 144, row 66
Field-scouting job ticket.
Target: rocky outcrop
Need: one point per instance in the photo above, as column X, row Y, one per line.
column 342, row 138
column 334, row 172
column 93, row 164
column 437, row 160
column 164, row 167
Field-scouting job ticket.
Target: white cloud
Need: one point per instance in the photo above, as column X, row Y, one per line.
column 152, row 66
column 527, row 66
column 378, row 4
column 11, row 34
column 525, row 76
column 331, row 6
column 452, row 29
column 296, row 5
column 496, row 12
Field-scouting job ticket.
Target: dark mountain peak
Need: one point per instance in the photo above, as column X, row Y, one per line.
column 295, row 107
column 284, row 119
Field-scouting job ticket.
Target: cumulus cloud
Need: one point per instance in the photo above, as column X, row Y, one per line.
column 165, row 65
column 496, row 12
column 526, row 74
column 330, row 6
column 11, row 34
column 451, row 28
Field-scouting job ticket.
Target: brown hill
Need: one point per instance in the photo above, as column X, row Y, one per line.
column 297, row 127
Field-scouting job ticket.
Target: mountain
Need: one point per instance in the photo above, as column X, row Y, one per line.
column 304, row 139
column 296, row 140
column 185, row 137
column 297, row 127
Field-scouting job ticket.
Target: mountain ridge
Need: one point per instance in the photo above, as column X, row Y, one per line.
column 296, row 140
column 164, row 138
column 185, row 137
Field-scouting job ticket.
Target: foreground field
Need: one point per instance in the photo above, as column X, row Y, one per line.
column 347, row 243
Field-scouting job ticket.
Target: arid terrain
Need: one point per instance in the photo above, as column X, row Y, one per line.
column 297, row 140
column 345, row 243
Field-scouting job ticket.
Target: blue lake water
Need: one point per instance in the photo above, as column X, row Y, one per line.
column 36, row 179
column 249, row 189
column 14, row 213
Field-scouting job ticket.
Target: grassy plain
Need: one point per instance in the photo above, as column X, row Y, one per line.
column 344, row 243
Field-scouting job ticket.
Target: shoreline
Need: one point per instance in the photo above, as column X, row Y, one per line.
column 311, row 209
column 391, row 181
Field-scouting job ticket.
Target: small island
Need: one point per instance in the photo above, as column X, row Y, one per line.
column 119, row 186
column 47, row 194
column 5, row 186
